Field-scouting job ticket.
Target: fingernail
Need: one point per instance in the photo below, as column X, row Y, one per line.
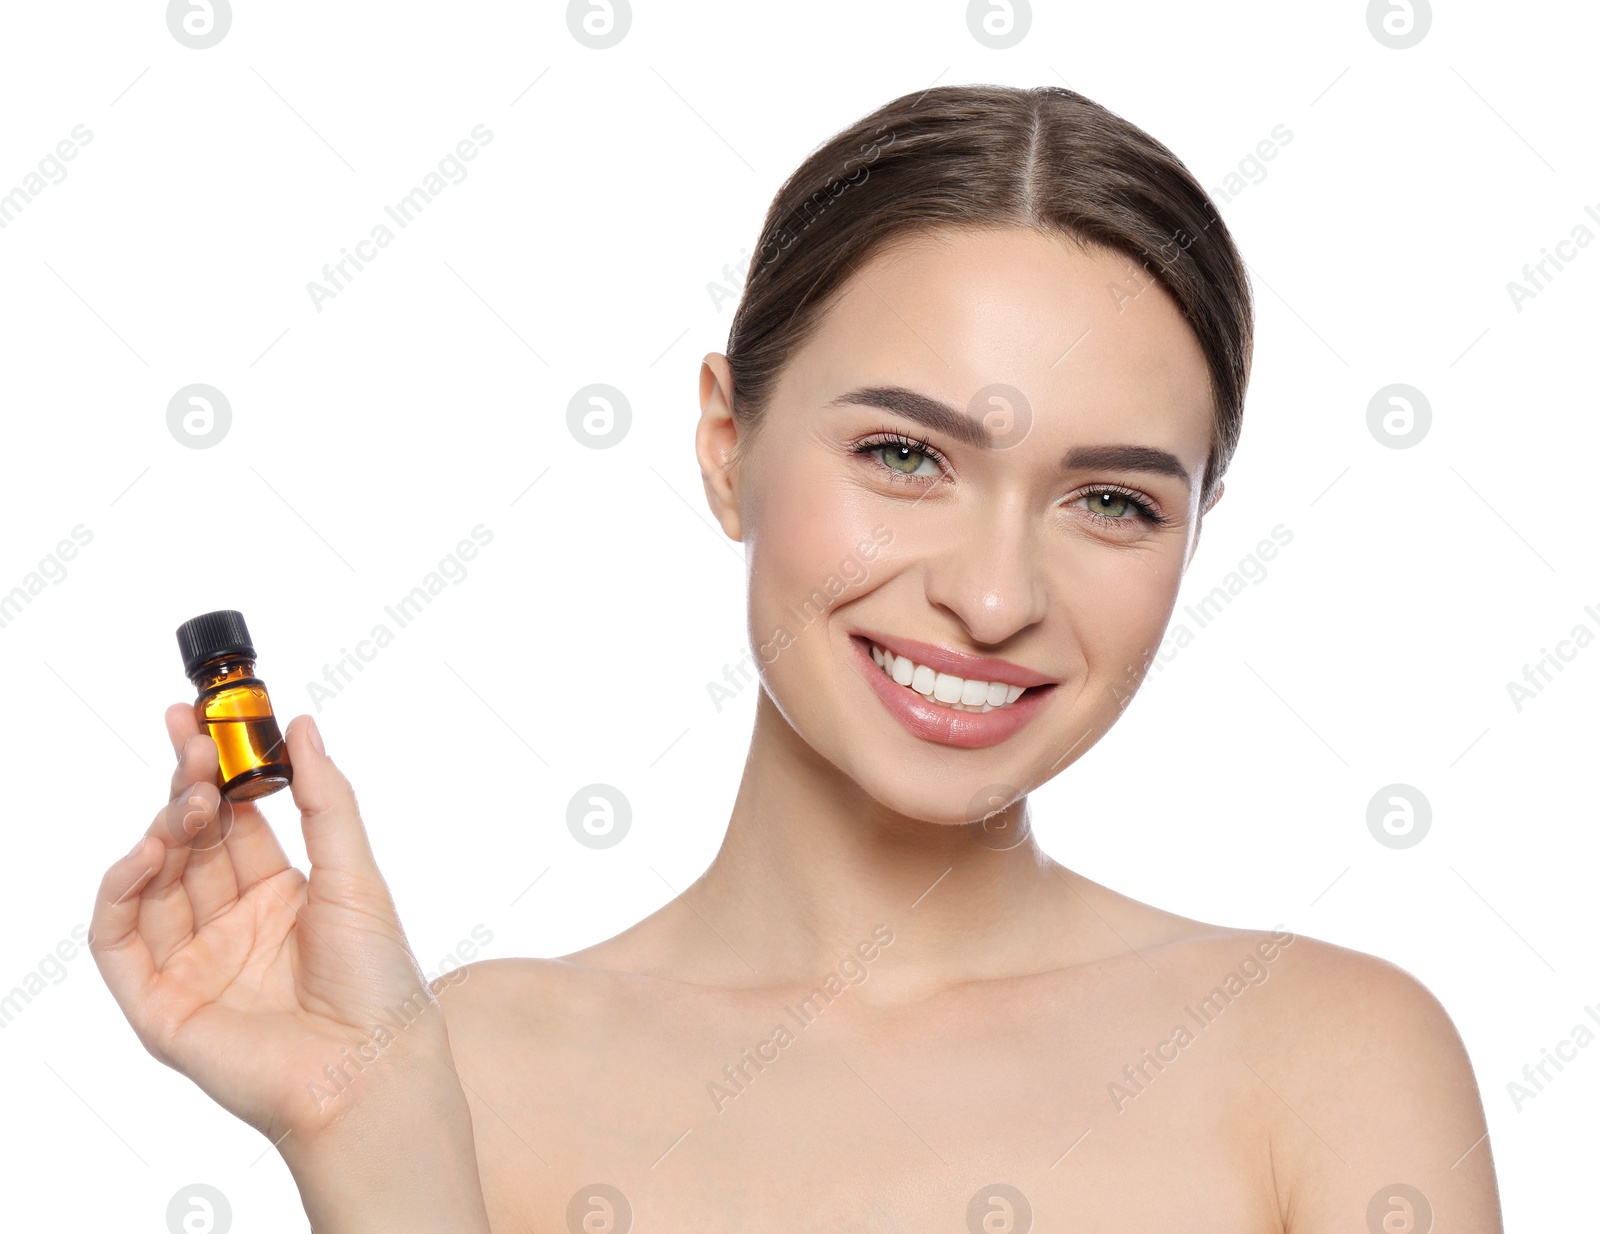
column 181, row 749
column 135, row 848
column 314, row 736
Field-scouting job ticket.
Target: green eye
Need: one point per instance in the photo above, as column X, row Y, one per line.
column 899, row 457
column 1112, row 505
column 903, row 456
column 907, row 459
column 1119, row 504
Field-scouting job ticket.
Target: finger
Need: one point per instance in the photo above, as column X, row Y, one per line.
column 336, row 839
column 252, row 846
column 166, row 916
column 208, row 874
column 182, row 724
column 234, row 829
column 119, row 951
column 198, row 762
column 198, row 880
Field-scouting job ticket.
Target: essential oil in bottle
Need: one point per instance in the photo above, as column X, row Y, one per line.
column 233, row 706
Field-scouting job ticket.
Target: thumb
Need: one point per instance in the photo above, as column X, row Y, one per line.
column 336, row 838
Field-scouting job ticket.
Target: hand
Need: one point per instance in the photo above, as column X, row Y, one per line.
column 249, row 977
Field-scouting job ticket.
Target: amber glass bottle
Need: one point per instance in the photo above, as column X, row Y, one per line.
column 233, row 705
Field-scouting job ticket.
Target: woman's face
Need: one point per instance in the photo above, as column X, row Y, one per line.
column 1076, row 395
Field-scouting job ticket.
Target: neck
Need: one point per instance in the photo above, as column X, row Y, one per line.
column 811, row 866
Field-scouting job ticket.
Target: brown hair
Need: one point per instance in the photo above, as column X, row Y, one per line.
column 989, row 156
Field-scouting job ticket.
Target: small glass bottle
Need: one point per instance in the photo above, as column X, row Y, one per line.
column 233, row 706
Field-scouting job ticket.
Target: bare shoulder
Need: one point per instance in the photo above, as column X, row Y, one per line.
column 1374, row 1116
column 1312, row 982
column 523, row 995
column 524, row 1014
column 1349, row 1066
column 1333, row 1014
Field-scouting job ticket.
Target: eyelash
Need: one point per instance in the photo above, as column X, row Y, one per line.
column 1143, row 507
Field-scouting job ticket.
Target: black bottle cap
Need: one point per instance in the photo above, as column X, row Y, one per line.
column 213, row 634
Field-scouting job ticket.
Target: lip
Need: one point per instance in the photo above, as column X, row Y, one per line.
column 957, row 663
column 968, row 730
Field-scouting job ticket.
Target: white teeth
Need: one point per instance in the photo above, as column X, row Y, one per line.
column 958, row 693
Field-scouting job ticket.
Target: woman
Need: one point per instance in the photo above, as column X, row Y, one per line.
column 986, row 376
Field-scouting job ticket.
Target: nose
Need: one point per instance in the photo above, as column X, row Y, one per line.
column 990, row 575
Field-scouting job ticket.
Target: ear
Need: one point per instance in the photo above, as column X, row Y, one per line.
column 715, row 439
column 1201, row 522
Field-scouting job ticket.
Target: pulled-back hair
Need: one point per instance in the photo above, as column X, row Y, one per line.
column 992, row 156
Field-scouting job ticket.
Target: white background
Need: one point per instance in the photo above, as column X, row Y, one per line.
column 369, row 437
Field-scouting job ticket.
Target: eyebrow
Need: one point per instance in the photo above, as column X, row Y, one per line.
column 941, row 417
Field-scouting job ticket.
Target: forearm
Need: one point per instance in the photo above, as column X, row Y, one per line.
column 401, row 1159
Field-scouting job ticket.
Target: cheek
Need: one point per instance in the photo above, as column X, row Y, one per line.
column 803, row 541
column 1121, row 604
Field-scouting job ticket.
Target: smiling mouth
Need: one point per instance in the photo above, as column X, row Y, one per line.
column 946, row 689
